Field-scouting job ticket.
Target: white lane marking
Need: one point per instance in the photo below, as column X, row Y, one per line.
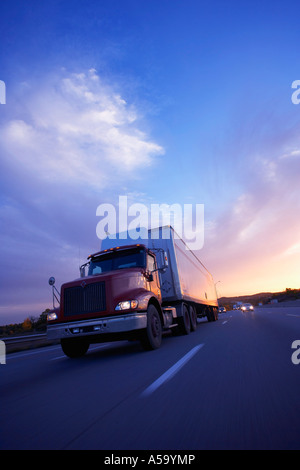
column 17, row 355
column 292, row 315
column 224, row 322
column 58, row 357
column 172, row 371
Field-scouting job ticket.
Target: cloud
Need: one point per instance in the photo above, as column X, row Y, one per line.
column 250, row 245
column 78, row 129
column 66, row 145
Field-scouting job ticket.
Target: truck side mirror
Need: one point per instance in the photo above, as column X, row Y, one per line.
column 55, row 293
column 165, row 263
column 82, row 271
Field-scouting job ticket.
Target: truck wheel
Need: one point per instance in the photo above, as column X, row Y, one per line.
column 185, row 321
column 74, row 348
column 210, row 314
column 193, row 318
column 152, row 336
column 216, row 313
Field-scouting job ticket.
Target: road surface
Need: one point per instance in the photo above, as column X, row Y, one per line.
column 229, row 385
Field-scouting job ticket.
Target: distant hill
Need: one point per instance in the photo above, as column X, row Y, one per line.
column 263, row 297
column 255, row 299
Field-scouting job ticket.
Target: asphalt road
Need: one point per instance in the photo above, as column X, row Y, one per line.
column 229, row 385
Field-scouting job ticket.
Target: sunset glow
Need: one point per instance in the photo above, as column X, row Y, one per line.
column 165, row 102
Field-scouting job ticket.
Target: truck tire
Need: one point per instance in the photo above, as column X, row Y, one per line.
column 74, row 347
column 216, row 313
column 152, row 336
column 210, row 314
column 193, row 318
column 185, row 321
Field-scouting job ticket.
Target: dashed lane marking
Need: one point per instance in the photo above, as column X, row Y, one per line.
column 171, row 372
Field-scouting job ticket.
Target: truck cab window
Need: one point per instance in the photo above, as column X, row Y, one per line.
column 117, row 260
column 100, row 265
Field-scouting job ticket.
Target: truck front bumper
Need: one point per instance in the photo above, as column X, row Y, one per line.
column 104, row 326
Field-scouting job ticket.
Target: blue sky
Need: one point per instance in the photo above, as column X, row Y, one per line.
column 166, row 101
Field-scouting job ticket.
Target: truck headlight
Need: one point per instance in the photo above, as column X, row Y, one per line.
column 127, row 305
column 51, row 316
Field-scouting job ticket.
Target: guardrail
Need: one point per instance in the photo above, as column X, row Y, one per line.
column 20, row 343
column 16, row 339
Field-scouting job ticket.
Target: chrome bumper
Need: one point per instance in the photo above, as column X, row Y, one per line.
column 107, row 325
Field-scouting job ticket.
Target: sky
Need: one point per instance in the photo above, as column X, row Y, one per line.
column 165, row 101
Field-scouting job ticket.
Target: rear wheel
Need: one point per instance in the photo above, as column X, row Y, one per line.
column 209, row 314
column 212, row 314
column 185, row 321
column 193, row 318
column 152, row 336
column 74, row 347
column 216, row 313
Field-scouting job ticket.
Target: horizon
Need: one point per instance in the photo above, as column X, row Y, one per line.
column 237, row 297
column 165, row 103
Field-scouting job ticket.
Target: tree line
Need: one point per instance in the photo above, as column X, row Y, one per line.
column 29, row 325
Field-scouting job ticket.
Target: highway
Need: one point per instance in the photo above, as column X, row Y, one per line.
column 228, row 385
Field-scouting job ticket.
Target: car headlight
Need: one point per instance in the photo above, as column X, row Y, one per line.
column 52, row 316
column 127, row 305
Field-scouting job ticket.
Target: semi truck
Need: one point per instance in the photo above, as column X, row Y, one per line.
column 133, row 291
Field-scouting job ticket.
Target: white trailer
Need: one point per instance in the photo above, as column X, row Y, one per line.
column 185, row 283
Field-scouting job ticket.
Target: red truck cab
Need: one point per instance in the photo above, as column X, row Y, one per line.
column 119, row 298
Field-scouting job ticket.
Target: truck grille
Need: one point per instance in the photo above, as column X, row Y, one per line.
column 83, row 300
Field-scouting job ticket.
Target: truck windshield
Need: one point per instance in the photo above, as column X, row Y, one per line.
column 118, row 260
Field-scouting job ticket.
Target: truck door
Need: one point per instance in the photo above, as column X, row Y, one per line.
column 154, row 285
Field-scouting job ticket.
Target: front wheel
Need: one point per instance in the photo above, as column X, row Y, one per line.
column 74, row 347
column 152, row 336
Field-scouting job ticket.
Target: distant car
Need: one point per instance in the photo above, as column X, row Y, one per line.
column 222, row 309
column 247, row 307
column 235, row 307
